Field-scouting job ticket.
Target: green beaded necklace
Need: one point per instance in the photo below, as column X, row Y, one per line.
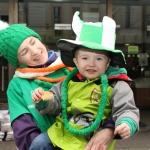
column 103, row 101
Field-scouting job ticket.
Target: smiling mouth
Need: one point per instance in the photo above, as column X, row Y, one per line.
column 38, row 57
column 91, row 70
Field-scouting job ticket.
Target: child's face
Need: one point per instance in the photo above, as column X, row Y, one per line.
column 32, row 52
column 91, row 64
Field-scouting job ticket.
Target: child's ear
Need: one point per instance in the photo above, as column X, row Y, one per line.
column 75, row 61
column 108, row 63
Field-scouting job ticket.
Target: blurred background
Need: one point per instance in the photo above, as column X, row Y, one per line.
column 52, row 20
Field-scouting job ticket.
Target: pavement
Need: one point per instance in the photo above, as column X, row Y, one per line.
column 7, row 145
column 140, row 141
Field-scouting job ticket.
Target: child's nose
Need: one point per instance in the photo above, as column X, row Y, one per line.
column 91, row 63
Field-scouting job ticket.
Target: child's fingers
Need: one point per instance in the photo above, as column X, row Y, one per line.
column 37, row 94
column 123, row 130
column 40, row 91
column 118, row 129
column 125, row 135
column 36, row 98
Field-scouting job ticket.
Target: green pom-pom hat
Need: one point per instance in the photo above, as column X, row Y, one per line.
column 11, row 37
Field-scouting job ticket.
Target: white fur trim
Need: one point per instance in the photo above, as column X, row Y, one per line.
column 77, row 25
column 3, row 25
column 30, row 75
column 108, row 37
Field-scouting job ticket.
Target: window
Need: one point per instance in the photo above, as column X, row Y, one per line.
column 57, row 19
column 75, row 9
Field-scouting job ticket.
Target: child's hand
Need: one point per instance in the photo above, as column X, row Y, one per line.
column 123, row 130
column 37, row 94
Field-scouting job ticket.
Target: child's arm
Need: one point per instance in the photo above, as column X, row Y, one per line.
column 48, row 102
column 124, row 109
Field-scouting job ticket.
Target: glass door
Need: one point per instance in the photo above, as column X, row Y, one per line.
column 3, row 79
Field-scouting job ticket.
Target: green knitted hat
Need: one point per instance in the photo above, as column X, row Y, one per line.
column 11, row 37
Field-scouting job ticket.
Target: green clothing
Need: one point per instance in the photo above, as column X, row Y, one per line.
column 83, row 105
column 67, row 141
column 20, row 101
column 79, row 102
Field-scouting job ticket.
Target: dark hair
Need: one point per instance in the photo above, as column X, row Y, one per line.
column 74, row 50
column 109, row 54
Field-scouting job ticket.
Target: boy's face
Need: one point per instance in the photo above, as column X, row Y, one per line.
column 91, row 64
column 32, row 52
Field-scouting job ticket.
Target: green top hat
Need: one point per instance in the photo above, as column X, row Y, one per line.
column 96, row 36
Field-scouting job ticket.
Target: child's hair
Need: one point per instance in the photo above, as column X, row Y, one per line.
column 74, row 52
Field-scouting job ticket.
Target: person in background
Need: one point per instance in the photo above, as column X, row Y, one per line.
column 36, row 66
column 92, row 92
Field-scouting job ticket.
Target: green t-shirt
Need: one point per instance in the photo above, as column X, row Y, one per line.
column 20, row 101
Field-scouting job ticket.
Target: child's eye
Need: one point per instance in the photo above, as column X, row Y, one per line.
column 99, row 58
column 85, row 58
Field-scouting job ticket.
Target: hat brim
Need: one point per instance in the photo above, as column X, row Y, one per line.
column 66, row 48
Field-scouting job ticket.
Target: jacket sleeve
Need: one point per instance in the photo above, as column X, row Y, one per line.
column 123, row 105
column 25, row 130
column 53, row 106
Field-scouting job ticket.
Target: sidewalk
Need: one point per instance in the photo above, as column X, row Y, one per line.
column 10, row 145
column 140, row 141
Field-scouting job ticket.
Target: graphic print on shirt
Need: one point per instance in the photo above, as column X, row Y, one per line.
column 95, row 96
